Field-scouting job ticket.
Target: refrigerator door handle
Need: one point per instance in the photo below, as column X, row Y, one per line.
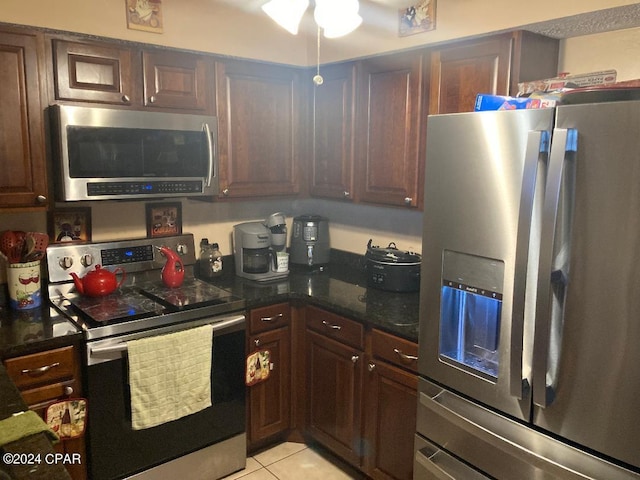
column 536, row 153
column 553, row 269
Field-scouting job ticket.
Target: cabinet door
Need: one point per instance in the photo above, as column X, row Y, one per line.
column 334, row 133
column 335, row 393
column 390, row 411
column 391, row 142
column 259, row 128
column 177, row 81
column 460, row 72
column 270, row 400
column 93, row 72
column 494, row 65
column 23, row 180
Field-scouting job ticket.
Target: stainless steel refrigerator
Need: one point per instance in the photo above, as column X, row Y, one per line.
column 530, row 295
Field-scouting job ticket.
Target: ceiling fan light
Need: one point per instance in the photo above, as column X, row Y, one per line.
column 342, row 26
column 286, row 13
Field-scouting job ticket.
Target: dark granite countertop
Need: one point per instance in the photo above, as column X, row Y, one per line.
column 341, row 287
column 29, row 331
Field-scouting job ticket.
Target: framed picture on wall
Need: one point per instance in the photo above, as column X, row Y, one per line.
column 418, row 18
column 164, row 219
column 70, row 224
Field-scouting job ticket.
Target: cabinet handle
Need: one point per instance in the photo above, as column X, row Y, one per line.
column 68, row 390
column 408, row 200
column 152, row 99
column 271, row 319
column 257, row 342
column 225, row 192
column 41, row 199
column 371, row 367
column 404, row 356
column 37, row 372
column 355, row 358
column 332, row 327
column 126, row 98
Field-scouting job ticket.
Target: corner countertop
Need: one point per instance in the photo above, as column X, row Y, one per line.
column 341, row 287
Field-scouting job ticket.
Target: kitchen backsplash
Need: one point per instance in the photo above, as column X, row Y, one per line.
column 350, row 226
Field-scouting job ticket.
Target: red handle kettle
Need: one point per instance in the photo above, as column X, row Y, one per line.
column 173, row 270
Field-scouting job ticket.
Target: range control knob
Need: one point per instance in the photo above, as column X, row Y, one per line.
column 182, row 249
column 86, row 260
column 66, row 262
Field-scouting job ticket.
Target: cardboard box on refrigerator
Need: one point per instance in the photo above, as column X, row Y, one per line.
column 501, row 102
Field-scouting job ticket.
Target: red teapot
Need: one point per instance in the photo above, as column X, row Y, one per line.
column 98, row 282
column 173, row 270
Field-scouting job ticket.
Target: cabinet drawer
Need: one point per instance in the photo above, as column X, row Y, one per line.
column 336, row 327
column 267, row 318
column 398, row 351
column 41, row 368
column 46, row 394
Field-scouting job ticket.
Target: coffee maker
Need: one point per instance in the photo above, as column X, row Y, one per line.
column 310, row 241
column 256, row 247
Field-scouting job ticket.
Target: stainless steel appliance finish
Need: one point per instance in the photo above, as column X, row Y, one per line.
column 142, row 307
column 310, row 245
column 108, row 154
column 530, row 276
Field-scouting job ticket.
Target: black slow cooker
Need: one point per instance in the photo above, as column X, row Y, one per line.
column 392, row 269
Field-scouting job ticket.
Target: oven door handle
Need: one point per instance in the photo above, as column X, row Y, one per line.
column 122, row 346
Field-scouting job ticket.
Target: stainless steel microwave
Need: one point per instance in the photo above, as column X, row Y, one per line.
column 109, row 154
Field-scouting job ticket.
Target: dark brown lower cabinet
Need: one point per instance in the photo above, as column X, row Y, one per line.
column 390, row 416
column 269, row 400
column 334, row 389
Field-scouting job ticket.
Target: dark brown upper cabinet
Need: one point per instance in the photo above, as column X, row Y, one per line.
column 259, row 128
column 492, row 65
column 23, row 178
column 390, row 123
column 123, row 75
column 333, row 133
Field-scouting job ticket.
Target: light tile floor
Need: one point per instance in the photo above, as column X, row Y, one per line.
column 295, row 461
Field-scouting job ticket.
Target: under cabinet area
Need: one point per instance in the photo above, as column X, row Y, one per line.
column 46, row 377
column 269, row 401
column 122, row 75
column 23, row 178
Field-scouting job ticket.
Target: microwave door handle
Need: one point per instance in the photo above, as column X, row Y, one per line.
column 553, row 278
column 536, row 154
column 210, row 170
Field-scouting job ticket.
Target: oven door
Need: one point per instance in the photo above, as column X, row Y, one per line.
column 117, row 451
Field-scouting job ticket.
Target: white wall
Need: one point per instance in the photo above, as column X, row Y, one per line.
column 240, row 28
column 619, row 50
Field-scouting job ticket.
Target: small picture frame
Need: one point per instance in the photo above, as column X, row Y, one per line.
column 417, row 18
column 145, row 15
column 70, row 225
column 164, row 219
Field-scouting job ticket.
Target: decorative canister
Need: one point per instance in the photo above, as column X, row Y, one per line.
column 23, row 280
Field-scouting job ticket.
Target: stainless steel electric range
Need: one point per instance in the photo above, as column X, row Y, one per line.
column 208, row 444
